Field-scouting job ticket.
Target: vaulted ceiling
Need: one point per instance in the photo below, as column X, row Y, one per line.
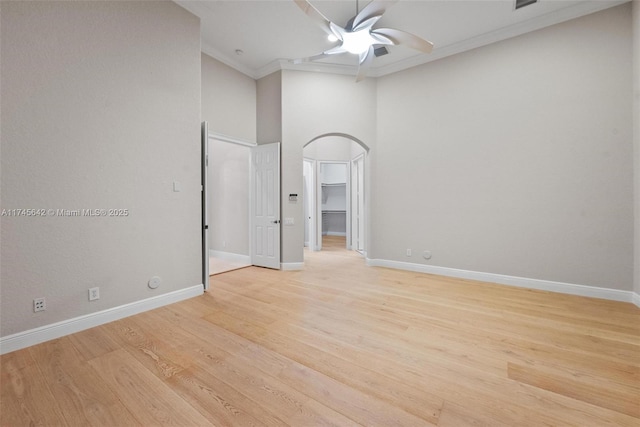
column 262, row 36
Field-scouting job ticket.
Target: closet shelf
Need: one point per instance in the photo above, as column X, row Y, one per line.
column 333, row 211
column 334, row 185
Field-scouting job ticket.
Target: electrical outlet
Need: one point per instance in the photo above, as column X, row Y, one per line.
column 408, row 252
column 94, row 294
column 39, row 304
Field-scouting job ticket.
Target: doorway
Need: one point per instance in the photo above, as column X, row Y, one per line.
column 333, row 212
column 228, row 194
column 334, row 192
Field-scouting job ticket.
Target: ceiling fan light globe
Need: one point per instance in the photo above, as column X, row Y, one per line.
column 357, row 42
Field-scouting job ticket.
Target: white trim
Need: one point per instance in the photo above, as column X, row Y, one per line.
column 41, row 334
column 233, row 140
column 635, row 299
column 536, row 23
column 229, row 256
column 226, row 60
column 523, row 282
column 289, row 266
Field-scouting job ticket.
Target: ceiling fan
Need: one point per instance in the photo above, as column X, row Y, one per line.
column 358, row 36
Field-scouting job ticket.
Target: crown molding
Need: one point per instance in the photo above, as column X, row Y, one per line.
column 226, row 60
column 537, row 23
column 317, row 67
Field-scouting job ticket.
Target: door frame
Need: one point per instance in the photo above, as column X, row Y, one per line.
column 359, row 172
column 204, row 190
column 309, row 201
column 318, row 222
column 249, row 145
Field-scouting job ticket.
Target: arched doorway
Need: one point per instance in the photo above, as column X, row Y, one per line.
column 334, row 191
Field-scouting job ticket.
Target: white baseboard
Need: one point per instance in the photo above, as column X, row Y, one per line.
column 66, row 327
column 636, row 299
column 287, row 266
column 231, row 257
column 523, row 282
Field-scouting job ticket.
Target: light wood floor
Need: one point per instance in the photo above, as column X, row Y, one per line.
column 219, row 265
column 340, row 344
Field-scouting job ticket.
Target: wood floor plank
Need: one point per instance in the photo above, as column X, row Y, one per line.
column 219, row 402
column 335, row 395
column 339, row 343
column 149, row 399
column 223, row 356
column 625, row 401
column 153, row 350
column 458, row 415
column 25, row 397
column 79, row 392
column 93, row 342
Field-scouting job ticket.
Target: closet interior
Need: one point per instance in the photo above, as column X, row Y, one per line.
column 333, row 179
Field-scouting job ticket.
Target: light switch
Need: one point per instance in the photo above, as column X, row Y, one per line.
column 289, row 221
column 176, row 187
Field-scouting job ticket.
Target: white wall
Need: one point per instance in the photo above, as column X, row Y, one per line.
column 100, row 109
column 229, row 106
column 636, row 136
column 336, row 148
column 315, row 104
column 229, row 197
column 514, row 158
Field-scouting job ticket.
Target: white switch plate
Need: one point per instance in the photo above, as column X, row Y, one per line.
column 94, row 294
column 289, row 221
column 176, row 187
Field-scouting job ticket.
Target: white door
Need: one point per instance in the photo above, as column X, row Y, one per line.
column 265, row 209
column 204, row 162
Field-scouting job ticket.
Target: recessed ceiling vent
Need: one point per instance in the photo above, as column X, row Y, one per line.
column 523, row 3
column 379, row 51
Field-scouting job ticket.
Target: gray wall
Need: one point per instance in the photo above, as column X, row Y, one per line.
column 228, row 100
column 636, row 136
column 514, row 158
column 269, row 108
column 229, row 105
column 100, row 109
column 315, row 104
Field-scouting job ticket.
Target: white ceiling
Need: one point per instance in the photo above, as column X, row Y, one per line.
column 272, row 32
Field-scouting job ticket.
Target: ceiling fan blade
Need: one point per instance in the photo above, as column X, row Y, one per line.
column 404, row 38
column 309, row 58
column 367, row 23
column 365, row 63
column 315, row 15
column 374, row 9
column 336, row 50
column 326, row 54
